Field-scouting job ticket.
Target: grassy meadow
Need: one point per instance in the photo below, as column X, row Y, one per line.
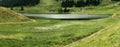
column 50, row 32
column 45, row 32
column 107, row 38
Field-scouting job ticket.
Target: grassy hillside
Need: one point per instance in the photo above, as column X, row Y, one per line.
column 46, row 6
column 105, row 8
column 58, row 33
column 55, row 34
column 7, row 15
column 106, row 38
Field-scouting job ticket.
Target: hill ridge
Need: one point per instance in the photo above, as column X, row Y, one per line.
column 7, row 15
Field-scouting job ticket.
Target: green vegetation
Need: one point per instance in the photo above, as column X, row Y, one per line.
column 52, row 6
column 105, row 8
column 7, row 15
column 49, row 32
column 58, row 33
column 107, row 38
column 21, row 3
column 45, row 6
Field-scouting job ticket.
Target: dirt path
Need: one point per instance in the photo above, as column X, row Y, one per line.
column 98, row 32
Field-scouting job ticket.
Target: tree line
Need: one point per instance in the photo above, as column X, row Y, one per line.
column 64, row 3
column 79, row 3
column 16, row 3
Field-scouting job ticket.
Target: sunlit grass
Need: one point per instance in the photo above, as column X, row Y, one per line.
column 7, row 15
column 59, row 32
column 107, row 38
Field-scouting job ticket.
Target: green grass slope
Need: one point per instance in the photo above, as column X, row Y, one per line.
column 106, row 38
column 104, row 8
column 7, row 15
column 49, row 32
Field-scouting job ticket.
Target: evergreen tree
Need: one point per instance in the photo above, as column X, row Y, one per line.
column 88, row 2
column 92, row 2
column 80, row 3
column 67, row 3
column 95, row 2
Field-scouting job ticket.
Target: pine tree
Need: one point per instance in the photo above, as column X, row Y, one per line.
column 67, row 3
column 95, row 2
column 88, row 2
column 80, row 3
